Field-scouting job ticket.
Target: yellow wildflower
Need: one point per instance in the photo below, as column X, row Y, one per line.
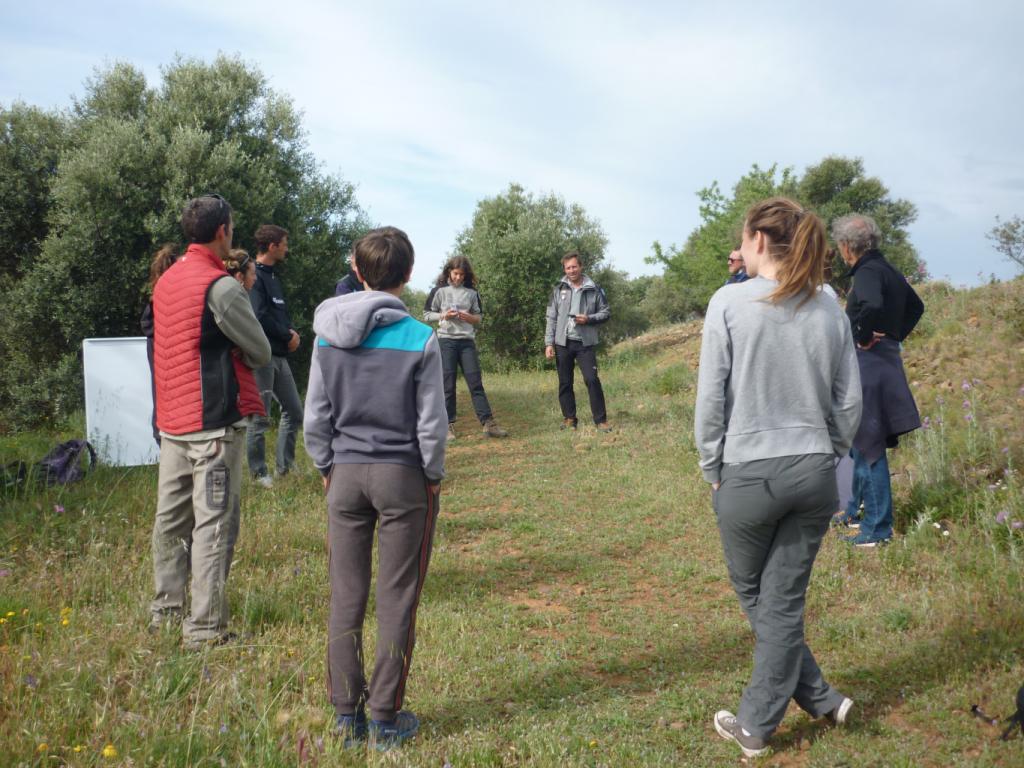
column 11, row 613
column 65, row 611
column 42, row 747
column 3, row 620
column 78, row 748
column 64, row 622
column 110, row 751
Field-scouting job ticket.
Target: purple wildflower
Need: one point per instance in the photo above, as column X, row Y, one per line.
column 966, row 404
column 4, row 572
column 1006, row 450
column 223, row 727
column 976, row 382
column 926, row 423
column 968, row 417
column 1017, row 525
column 966, row 386
column 31, row 681
column 1001, row 517
column 58, row 509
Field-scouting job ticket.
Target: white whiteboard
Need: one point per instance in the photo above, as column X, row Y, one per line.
column 119, row 401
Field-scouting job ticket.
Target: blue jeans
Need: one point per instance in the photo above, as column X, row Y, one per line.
column 871, row 485
column 456, row 353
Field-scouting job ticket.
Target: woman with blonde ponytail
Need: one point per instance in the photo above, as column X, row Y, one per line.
column 778, row 401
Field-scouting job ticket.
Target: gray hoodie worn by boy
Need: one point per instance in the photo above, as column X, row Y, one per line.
column 375, row 392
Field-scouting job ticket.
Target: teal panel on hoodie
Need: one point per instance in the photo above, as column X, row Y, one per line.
column 407, row 335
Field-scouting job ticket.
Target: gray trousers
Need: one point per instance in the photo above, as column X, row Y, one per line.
column 275, row 382
column 196, row 527
column 360, row 497
column 772, row 516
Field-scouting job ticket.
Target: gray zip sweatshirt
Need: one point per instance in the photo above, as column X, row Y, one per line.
column 774, row 380
column 375, row 393
column 453, row 297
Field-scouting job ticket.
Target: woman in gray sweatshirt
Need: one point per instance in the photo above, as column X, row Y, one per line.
column 778, row 401
column 454, row 305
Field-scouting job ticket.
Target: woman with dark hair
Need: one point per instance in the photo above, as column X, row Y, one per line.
column 454, row 305
column 778, row 400
column 240, row 265
column 159, row 264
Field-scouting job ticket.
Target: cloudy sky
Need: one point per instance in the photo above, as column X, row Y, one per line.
column 625, row 107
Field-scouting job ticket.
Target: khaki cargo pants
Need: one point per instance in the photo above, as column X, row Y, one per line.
column 197, row 514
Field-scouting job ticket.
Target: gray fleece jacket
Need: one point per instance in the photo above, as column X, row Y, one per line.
column 593, row 304
column 375, row 393
column 774, row 380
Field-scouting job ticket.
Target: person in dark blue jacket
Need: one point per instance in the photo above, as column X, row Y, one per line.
column 883, row 309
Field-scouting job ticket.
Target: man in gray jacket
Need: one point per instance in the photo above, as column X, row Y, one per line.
column 577, row 306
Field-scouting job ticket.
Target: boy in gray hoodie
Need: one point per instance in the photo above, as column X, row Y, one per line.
column 375, row 427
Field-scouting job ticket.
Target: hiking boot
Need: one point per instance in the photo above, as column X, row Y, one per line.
column 491, row 429
column 352, row 728
column 605, row 427
column 265, row 480
column 385, row 735
column 845, row 520
column 568, row 424
column 862, row 541
column 840, row 714
column 451, row 431
column 211, row 642
column 729, row 728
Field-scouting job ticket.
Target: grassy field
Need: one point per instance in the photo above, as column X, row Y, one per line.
column 577, row 610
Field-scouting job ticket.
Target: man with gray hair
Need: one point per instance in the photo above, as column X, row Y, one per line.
column 883, row 309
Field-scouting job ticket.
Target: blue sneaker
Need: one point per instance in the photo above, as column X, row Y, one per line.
column 352, row 728
column 862, row 541
column 385, row 735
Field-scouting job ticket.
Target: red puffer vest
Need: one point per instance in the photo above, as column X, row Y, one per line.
column 200, row 382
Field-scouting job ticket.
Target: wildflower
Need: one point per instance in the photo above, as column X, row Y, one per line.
column 968, row 417
column 967, row 404
column 109, row 751
column 58, row 509
column 1017, row 525
column 65, row 611
column 42, row 748
column 976, row 381
column 4, row 573
column 1001, row 517
column 11, row 613
column 65, row 622
column 3, row 620
column 78, row 748
column 31, row 681
column 223, row 728
column 940, row 400
column 926, row 424
column 966, row 386
column 1006, row 450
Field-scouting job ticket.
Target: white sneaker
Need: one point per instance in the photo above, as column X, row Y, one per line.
column 266, row 481
column 729, row 728
column 840, row 714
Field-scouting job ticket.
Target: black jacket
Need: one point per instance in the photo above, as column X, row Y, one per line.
column 347, row 284
column 268, row 304
column 881, row 300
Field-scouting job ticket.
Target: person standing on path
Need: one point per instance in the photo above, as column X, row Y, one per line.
column 778, row 400
column 455, row 307
column 737, row 271
column 275, row 379
column 375, row 428
column 576, row 307
column 206, row 342
column 883, row 309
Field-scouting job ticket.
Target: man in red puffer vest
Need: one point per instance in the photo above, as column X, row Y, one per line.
column 206, row 343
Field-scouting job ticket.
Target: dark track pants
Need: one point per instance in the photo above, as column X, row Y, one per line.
column 565, row 358
column 360, row 495
column 772, row 516
column 456, row 353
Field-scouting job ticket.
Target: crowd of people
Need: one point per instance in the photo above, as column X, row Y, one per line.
column 788, row 386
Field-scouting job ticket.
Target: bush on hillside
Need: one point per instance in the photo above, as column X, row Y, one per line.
column 131, row 156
